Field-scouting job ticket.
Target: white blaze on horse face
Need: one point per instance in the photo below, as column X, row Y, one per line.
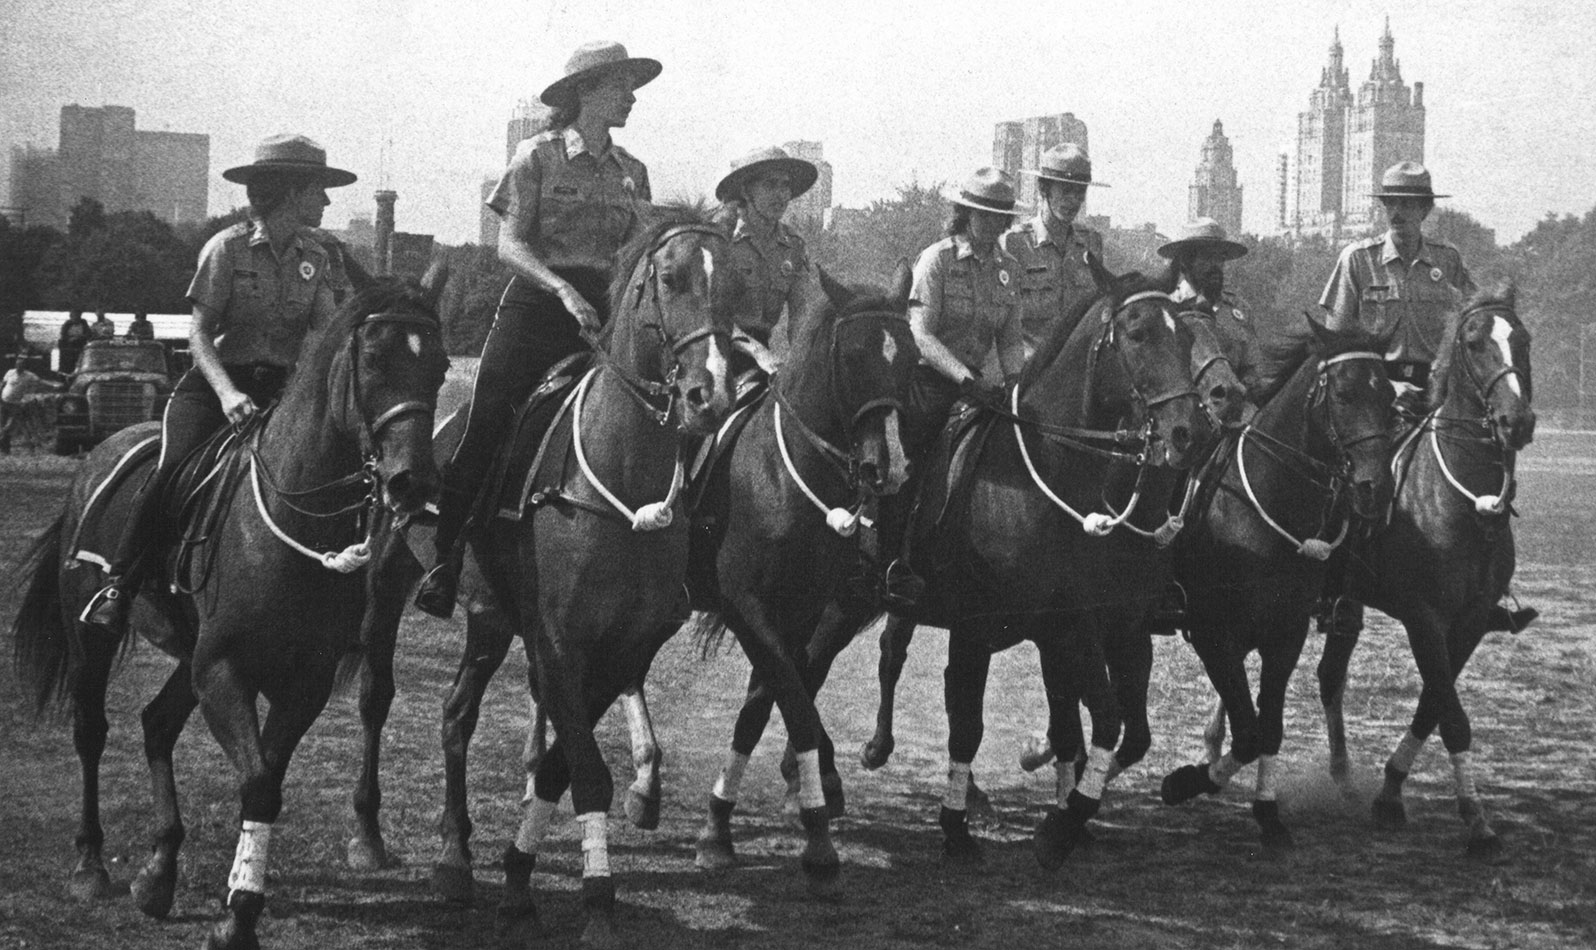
column 889, row 346
column 1169, row 321
column 716, row 364
column 414, row 341
column 897, row 458
column 1501, row 331
column 709, row 267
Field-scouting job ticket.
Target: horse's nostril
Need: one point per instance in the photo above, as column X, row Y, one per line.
column 400, row 484
column 1180, row 438
column 1219, row 394
column 696, row 397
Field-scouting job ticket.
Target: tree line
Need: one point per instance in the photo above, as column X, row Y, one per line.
column 129, row 261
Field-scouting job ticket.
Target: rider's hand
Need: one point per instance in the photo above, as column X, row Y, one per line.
column 236, row 406
column 579, row 308
column 760, row 353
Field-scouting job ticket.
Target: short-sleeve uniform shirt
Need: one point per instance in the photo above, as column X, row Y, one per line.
column 1053, row 276
column 265, row 304
column 1404, row 305
column 771, row 266
column 575, row 208
column 971, row 304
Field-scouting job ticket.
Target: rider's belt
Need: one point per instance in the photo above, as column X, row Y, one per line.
column 1412, row 372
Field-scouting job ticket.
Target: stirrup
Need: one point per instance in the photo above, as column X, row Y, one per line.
column 901, row 587
column 108, row 607
column 436, row 593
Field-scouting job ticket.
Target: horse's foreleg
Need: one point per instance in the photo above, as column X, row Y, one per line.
column 1074, row 674
column 715, row 848
column 163, row 720
column 895, row 637
column 89, row 729
column 963, row 696
column 1279, row 660
column 643, row 795
column 1332, row 673
column 488, row 640
column 1214, row 732
column 1227, row 672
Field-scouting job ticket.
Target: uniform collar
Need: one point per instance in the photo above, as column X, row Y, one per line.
column 1388, row 252
column 1185, row 293
column 575, row 145
column 1044, row 235
column 258, row 236
column 743, row 232
column 962, row 248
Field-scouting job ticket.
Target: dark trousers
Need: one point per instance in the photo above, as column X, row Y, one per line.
column 931, row 397
column 531, row 332
column 193, row 415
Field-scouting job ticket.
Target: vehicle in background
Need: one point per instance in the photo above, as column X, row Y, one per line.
column 117, row 383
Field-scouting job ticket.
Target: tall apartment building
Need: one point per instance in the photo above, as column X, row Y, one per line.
column 1346, row 140
column 1214, row 192
column 1019, row 144
column 528, row 118
column 809, row 211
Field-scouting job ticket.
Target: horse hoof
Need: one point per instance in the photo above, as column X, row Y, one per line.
column 1056, row 836
column 368, row 854
column 977, row 801
column 153, row 892
column 599, row 934
column 1389, row 813
column 715, row 852
column 642, row 810
column 236, row 931
column 875, row 753
column 453, row 883
column 823, row 875
column 1487, row 848
column 90, row 885
column 1185, row 784
column 1037, row 752
column 958, row 845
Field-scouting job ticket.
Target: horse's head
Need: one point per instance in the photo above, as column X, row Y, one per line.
column 1148, row 379
column 1349, row 415
column 1222, row 392
column 854, row 354
column 671, row 316
column 1486, row 368
column 396, row 365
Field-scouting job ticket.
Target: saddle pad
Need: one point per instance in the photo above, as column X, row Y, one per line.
column 519, row 469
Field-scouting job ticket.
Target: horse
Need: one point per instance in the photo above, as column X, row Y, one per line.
column 1314, row 459
column 593, row 571
column 788, row 498
column 1446, row 557
column 259, row 612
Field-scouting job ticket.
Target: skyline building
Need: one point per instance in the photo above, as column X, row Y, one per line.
column 810, row 211
column 1214, row 192
column 1018, row 144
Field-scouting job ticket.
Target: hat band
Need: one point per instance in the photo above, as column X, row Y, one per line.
column 1418, row 191
column 989, row 204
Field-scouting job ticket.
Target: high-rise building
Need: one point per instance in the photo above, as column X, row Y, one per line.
column 809, row 212
column 1345, row 141
column 1214, row 192
column 36, row 187
column 528, row 118
column 1019, row 144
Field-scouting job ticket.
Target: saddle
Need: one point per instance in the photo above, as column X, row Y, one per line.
column 530, row 468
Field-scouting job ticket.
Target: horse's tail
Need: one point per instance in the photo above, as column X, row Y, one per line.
column 43, row 649
column 708, row 630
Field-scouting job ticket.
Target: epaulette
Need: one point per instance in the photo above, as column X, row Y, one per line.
column 1369, row 242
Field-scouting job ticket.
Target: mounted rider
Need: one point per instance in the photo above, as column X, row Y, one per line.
column 570, row 198
column 1198, row 256
column 1051, row 247
column 964, row 305
column 262, row 287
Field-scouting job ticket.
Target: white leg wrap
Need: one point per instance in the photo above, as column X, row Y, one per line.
column 1406, row 752
column 1095, row 778
column 1463, row 776
column 1220, row 772
column 249, row 861
column 535, row 821
column 595, row 844
column 1267, row 779
column 1066, row 781
column 956, row 798
column 809, row 793
column 642, row 730
column 731, row 777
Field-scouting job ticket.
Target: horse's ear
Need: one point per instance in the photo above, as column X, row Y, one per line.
column 359, row 277
column 433, row 281
column 898, row 286
column 1170, row 278
column 1321, row 333
column 839, row 295
column 1100, row 274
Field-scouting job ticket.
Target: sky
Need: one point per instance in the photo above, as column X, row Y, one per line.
column 414, row 95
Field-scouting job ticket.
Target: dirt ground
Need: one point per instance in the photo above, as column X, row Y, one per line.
column 1190, row 876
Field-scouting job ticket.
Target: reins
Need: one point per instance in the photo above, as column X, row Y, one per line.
column 1486, row 505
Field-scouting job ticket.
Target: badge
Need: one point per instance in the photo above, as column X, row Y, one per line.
column 628, row 184
column 1435, row 274
column 307, row 270
column 1003, row 276
column 787, row 268
column 1238, row 314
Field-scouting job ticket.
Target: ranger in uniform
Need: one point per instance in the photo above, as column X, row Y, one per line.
column 770, row 255
column 1051, row 248
column 1199, row 256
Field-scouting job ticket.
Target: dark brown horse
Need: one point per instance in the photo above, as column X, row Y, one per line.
column 1252, row 563
column 275, row 602
column 787, row 497
column 593, row 573
column 1447, row 556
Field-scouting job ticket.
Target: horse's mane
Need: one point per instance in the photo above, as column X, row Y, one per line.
column 659, row 219
column 1119, row 288
column 1504, row 294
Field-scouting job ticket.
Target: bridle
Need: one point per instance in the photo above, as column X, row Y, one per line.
column 1208, row 365
column 1484, row 387
column 1488, row 505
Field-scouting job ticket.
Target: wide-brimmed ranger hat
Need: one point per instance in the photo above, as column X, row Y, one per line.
column 989, row 189
column 593, row 61
column 1066, row 162
column 295, row 154
column 1405, row 180
column 761, row 163
column 1204, row 234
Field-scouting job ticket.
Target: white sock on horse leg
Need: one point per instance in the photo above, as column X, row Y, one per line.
column 1463, row 776
column 1221, row 771
column 731, row 777
column 249, row 860
column 1065, row 772
column 1406, row 752
column 810, row 794
column 1267, row 779
column 595, row 844
column 1095, row 778
column 637, row 722
column 535, row 820
column 958, row 786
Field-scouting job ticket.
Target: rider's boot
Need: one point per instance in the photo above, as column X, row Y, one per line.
column 109, row 607
column 438, row 589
